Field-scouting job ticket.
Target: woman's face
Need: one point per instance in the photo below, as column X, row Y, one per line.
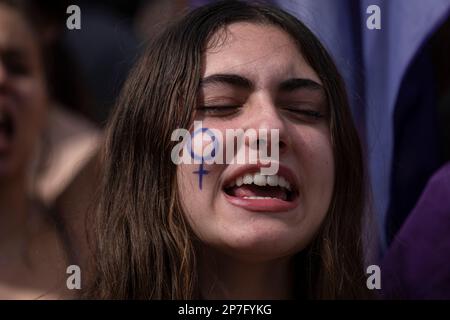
column 22, row 92
column 256, row 78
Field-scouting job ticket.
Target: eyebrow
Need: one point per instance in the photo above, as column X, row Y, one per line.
column 231, row 79
column 299, row 83
column 244, row 83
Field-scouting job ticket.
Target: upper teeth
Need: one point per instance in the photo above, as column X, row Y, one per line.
column 261, row 180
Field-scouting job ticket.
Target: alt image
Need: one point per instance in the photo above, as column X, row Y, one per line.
column 225, row 155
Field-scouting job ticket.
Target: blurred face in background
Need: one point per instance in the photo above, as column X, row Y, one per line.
column 23, row 97
column 244, row 216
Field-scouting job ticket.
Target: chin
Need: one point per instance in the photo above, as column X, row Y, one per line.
column 253, row 246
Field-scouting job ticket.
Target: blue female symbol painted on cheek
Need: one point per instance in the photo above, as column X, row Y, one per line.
column 201, row 171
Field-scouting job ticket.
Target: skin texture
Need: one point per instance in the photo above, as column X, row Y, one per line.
column 254, row 249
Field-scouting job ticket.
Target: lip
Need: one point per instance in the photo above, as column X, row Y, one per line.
column 262, row 205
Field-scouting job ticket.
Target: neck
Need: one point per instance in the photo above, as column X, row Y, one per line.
column 13, row 209
column 225, row 277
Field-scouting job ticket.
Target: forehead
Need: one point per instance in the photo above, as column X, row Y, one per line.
column 14, row 31
column 260, row 52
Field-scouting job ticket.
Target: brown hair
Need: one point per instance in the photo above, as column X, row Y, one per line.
column 144, row 246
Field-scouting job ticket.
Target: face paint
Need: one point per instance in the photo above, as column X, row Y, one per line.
column 201, row 171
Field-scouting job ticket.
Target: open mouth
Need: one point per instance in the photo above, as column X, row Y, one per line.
column 257, row 186
column 262, row 193
column 6, row 129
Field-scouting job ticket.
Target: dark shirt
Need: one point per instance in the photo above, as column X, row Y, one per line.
column 417, row 265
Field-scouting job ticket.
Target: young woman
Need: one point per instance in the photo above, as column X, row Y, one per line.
column 34, row 245
column 159, row 236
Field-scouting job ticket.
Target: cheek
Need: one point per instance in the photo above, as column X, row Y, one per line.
column 197, row 203
column 187, row 187
column 31, row 104
column 321, row 159
column 316, row 159
column 32, row 94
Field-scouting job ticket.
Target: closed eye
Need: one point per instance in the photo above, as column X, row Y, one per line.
column 218, row 110
column 305, row 114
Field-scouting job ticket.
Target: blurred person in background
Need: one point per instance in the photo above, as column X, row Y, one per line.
column 47, row 159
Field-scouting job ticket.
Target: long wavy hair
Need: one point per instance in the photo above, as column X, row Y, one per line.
column 144, row 247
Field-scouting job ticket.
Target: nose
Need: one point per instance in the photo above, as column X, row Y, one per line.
column 263, row 115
